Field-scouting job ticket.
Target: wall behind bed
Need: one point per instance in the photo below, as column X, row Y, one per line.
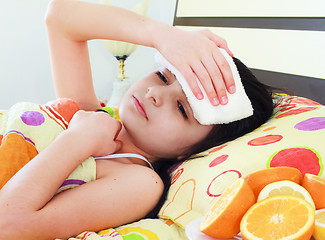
column 283, row 42
column 25, row 73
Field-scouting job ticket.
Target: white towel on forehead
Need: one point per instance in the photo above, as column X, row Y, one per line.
column 238, row 106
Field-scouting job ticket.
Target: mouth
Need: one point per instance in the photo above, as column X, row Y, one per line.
column 140, row 107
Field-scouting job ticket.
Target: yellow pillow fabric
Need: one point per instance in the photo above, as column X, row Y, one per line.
column 293, row 137
column 146, row 229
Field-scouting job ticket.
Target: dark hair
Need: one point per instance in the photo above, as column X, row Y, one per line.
column 261, row 97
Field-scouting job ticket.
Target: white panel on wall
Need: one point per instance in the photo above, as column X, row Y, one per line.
column 251, row 8
column 285, row 51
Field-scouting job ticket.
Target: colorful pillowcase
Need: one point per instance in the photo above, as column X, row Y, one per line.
column 146, row 229
column 293, row 137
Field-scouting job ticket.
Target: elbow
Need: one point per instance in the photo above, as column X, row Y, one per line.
column 55, row 13
column 7, row 227
column 50, row 13
column 12, row 227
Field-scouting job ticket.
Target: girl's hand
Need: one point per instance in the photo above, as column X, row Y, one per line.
column 197, row 52
column 96, row 132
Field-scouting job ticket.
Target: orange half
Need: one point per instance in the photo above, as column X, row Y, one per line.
column 223, row 219
column 279, row 218
column 259, row 179
column 315, row 185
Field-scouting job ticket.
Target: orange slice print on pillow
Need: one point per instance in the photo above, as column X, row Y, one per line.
column 296, row 111
column 307, row 160
column 265, row 140
column 218, row 160
column 311, row 124
column 305, row 101
column 222, row 182
column 65, row 107
column 218, row 148
column 137, row 233
column 177, row 175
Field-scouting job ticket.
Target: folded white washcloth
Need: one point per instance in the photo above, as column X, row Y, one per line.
column 238, row 106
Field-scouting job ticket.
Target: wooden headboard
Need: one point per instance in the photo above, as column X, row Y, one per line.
column 283, row 42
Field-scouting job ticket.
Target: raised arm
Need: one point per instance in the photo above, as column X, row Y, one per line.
column 72, row 23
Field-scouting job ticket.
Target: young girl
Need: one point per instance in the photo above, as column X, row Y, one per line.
column 158, row 125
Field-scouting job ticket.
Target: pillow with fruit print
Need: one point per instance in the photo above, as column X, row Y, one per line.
column 294, row 137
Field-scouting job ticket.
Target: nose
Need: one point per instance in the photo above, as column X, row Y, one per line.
column 160, row 95
column 155, row 95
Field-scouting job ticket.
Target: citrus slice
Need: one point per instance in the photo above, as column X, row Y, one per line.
column 223, row 218
column 277, row 218
column 285, row 188
column 316, row 187
column 319, row 232
column 259, row 179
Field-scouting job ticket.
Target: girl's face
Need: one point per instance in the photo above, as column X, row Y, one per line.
column 158, row 118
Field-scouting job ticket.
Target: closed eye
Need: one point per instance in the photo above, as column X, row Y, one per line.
column 179, row 105
column 162, row 77
column 182, row 110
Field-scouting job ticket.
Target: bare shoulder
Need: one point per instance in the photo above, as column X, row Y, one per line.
column 133, row 173
column 141, row 182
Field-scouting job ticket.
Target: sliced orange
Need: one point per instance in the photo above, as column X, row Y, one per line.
column 279, row 218
column 315, row 185
column 223, row 219
column 259, row 179
column 319, row 232
column 285, row 188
